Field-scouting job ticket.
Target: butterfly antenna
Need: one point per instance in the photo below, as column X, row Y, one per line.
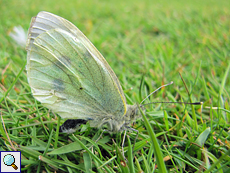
column 187, row 103
column 157, row 90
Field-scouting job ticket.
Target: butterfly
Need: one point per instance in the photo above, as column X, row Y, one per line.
column 68, row 75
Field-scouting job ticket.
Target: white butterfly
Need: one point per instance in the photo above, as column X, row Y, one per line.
column 68, row 75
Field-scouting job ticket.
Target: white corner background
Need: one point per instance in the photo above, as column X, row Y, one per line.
column 17, row 156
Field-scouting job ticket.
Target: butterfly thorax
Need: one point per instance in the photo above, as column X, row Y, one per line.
column 117, row 124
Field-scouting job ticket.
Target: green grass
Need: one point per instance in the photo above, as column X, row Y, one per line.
column 147, row 44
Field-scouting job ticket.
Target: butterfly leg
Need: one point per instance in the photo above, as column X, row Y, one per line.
column 130, row 128
column 122, row 146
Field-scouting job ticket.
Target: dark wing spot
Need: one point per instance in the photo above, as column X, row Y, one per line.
column 58, row 85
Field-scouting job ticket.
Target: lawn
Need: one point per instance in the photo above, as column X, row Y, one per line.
column 147, row 44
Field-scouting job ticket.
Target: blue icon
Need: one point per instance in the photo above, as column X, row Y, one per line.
column 9, row 160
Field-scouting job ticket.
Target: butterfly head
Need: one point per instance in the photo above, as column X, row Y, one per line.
column 133, row 112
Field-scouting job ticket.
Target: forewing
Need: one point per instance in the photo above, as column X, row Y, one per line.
column 67, row 76
column 45, row 21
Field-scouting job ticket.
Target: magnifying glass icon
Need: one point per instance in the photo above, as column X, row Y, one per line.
column 9, row 160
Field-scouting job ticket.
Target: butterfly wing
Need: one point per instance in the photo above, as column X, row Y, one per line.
column 68, row 74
